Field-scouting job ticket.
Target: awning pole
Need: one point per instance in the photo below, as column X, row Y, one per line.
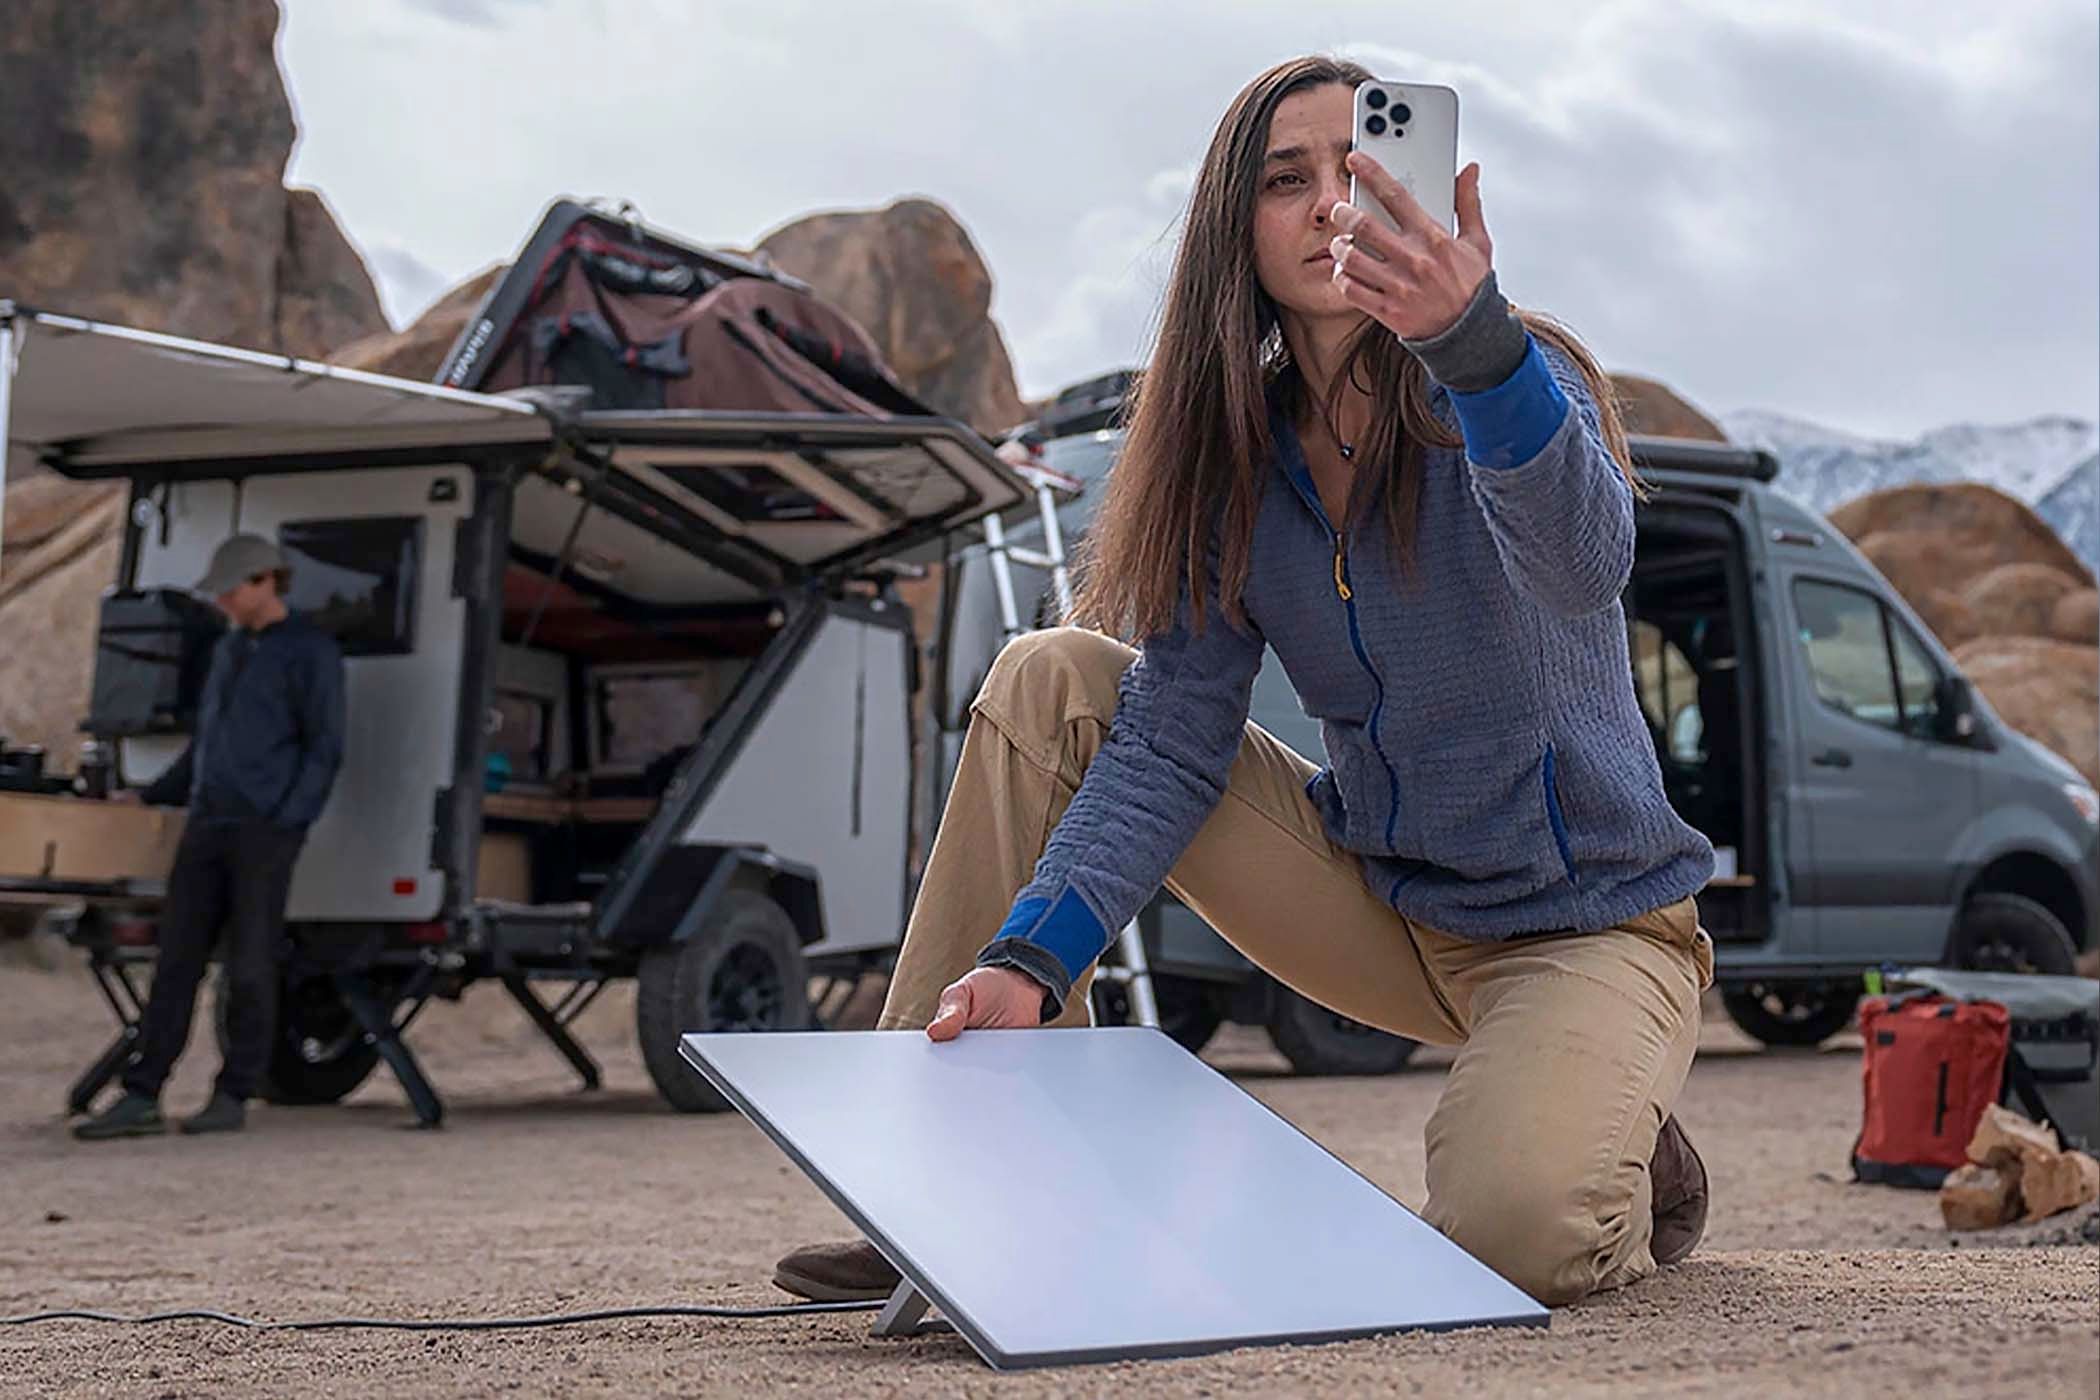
column 7, row 380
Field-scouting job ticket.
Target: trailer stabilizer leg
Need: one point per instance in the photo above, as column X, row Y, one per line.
column 374, row 1012
column 554, row 1028
column 81, row 1096
column 125, row 1003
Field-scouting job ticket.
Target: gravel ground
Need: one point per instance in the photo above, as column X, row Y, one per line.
column 537, row 1199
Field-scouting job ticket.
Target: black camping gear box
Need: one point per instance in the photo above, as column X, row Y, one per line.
column 2054, row 1061
column 152, row 653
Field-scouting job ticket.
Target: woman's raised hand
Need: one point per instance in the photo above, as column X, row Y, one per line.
column 1417, row 281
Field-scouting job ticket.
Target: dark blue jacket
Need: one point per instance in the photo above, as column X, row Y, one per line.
column 269, row 730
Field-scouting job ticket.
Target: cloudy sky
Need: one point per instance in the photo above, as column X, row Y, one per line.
column 1883, row 215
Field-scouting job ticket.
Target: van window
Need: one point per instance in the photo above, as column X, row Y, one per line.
column 1917, row 682
column 1844, row 633
column 356, row 579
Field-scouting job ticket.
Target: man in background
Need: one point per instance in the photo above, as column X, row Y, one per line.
column 268, row 742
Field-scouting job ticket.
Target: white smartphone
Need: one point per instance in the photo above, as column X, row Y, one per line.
column 1412, row 130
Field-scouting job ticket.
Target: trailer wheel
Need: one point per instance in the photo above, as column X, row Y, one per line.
column 1319, row 1041
column 743, row 972
column 1791, row 1013
column 320, row 1052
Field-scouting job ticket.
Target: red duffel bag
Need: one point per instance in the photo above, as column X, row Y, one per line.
column 1931, row 1068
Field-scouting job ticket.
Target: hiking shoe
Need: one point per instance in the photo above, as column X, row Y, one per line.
column 1677, row 1182
column 224, row 1114
column 134, row 1115
column 837, row 1273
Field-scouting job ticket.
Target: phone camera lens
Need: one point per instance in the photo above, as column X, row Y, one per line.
column 1375, row 98
column 1375, row 124
column 1401, row 115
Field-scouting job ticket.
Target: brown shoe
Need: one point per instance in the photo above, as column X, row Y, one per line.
column 837, row 1273
column 1677, row 1181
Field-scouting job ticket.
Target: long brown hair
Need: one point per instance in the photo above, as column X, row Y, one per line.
column 1192, row 462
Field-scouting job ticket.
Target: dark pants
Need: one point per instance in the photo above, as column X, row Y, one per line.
column 235, row 879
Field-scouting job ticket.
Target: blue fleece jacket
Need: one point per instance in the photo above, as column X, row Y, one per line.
column 1486, row 754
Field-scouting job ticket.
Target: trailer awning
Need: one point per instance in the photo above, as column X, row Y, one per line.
column 95, row 400
column 794, row 496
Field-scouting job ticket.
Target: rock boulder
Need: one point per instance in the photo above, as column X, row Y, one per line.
column 2018, row 600
column 1941, row 545
column 2046, row 689
column 416, row 351
column 145, row 146
column 1649, row 406
column 910, row 275
column 2076, row 617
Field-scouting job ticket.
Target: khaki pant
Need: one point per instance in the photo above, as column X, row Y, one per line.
column 1572, row 1048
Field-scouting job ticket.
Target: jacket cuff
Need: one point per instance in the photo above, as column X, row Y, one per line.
column 1065, row 932
column 1038, row 963
column 1511, row 423
column 1479, row 350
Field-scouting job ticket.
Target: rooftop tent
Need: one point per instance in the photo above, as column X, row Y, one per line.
column 644, row 321
column 729, row 392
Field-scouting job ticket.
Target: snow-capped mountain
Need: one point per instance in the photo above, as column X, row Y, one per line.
column 2048, row 463
column 2072, row 508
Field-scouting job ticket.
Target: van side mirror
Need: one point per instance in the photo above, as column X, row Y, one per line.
column 1954, row 711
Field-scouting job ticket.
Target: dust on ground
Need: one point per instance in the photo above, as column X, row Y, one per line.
column 537, row 1198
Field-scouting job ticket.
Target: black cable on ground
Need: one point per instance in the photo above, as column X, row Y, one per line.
column 409, row 1324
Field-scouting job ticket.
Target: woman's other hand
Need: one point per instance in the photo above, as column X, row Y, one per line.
column 1417, row 281
column 988, row 998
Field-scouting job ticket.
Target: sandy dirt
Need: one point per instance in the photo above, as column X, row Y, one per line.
column 536, row 1198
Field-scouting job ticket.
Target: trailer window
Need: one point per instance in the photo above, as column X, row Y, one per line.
column 356, row 579
column 639, row 715
column 523, row 723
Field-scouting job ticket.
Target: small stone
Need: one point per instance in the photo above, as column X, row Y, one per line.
column 56, row 1217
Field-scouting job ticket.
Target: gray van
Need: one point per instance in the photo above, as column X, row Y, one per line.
column 1866, row 805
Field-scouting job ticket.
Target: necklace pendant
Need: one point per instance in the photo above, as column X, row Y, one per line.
column 1348, row 452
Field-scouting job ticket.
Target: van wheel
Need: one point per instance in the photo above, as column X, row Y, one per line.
column 2011, row 933
column 743, row 972
column 1791, row 1013
column 320, row 1052
column 1319, row 1041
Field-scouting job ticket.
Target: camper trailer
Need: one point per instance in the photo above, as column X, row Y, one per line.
column 629, row 687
